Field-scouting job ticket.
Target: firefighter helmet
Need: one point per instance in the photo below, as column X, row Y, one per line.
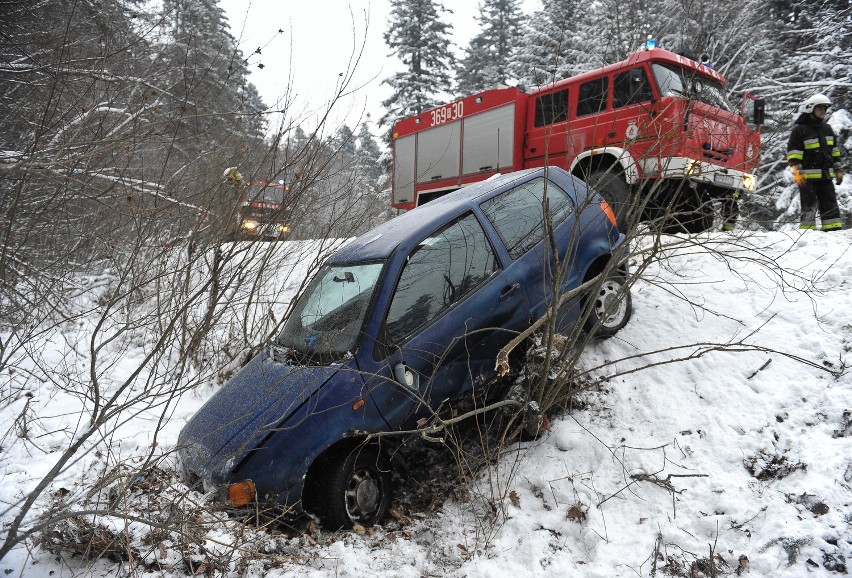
column 814, row 101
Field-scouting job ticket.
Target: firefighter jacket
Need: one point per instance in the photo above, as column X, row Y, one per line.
column 812, row 144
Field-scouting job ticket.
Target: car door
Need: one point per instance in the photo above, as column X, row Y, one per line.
column 519, row 218
column 452, row 309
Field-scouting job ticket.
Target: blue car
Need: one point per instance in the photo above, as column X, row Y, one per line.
column 395, row 324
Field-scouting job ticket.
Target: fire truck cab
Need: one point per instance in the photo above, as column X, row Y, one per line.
column 654, row 133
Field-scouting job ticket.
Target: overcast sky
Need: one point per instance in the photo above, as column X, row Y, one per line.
column 319, row 39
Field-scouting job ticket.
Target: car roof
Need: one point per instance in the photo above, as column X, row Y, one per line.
column 380, row 242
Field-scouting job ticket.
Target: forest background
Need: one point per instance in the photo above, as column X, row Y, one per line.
column 120, row 109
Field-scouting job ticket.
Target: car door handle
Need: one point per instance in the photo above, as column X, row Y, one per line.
column 509, row 291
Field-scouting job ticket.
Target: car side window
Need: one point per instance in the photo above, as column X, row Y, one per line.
column 592, row 96
column 631, row 87
column 518, row 214
column 440, row 271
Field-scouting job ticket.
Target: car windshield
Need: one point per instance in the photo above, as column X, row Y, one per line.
column 676, row 81
column 266, row 194
column 327, row 319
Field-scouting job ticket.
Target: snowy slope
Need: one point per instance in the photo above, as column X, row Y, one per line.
column 741, row 449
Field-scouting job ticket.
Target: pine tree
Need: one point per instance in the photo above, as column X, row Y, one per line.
column 368, row 156
column 551, row 47
column 490, row 53
column 622, row 28
column 207, row 78
column 418, row 37
column 344, row 143
column 372, row 177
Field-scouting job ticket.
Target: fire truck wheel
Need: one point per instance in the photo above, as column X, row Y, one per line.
column 692, row 214
column 612, row 187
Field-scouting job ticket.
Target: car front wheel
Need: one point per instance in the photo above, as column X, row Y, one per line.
column 355, row 488
column 611, row 307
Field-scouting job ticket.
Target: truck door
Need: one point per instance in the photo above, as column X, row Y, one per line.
column 592, row 125
column 547, row 137
column 633, row 112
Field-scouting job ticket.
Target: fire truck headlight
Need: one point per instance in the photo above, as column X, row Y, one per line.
column 250, row 225
column 693, row 168
column 748, row 182
column 284, row 229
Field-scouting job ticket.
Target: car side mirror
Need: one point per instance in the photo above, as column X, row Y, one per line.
column 406, row 376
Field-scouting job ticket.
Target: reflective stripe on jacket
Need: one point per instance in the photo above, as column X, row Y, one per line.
column 813, row 145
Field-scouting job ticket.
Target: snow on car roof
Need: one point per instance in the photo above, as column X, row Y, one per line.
column 380, row 242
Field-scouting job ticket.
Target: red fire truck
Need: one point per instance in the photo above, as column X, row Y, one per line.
column 651, row 132
column 264, row 210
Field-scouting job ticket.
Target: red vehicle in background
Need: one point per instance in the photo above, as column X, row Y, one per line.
column 264, row 210
column 655, row 130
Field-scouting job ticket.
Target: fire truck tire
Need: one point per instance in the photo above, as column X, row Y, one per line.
column 612, row 187
column 693, row 215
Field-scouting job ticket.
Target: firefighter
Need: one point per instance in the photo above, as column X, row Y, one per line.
column 814, row 159
column 730, row 210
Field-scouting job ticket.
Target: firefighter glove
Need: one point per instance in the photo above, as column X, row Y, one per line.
column 797, row 175
column 838, row 176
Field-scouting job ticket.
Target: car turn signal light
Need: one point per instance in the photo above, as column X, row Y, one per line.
column 607, row 210
column 241, row 493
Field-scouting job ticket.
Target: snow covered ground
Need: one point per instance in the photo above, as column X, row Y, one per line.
column 719, row 443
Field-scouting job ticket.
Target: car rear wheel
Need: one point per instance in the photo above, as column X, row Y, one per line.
column 355, row 488
column 611, row 307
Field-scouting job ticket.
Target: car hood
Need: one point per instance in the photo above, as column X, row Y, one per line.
column 249, row 407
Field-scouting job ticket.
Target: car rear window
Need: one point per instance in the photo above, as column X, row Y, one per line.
column 518, row 214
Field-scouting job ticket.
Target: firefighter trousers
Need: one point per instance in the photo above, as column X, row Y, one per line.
column 730, row 210
column 818, row 196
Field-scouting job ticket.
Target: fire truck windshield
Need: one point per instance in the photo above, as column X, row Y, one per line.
column 266, row 193
column 676, row 81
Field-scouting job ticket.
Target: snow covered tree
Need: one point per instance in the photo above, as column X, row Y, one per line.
column 417, row 36
column 75, row 110
column 346, row 143
column 816, row 40
column 551, row 46
column 622, row 27
column 490, row 53
column 207, row 81
column 369, row 156
column 372, row 175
